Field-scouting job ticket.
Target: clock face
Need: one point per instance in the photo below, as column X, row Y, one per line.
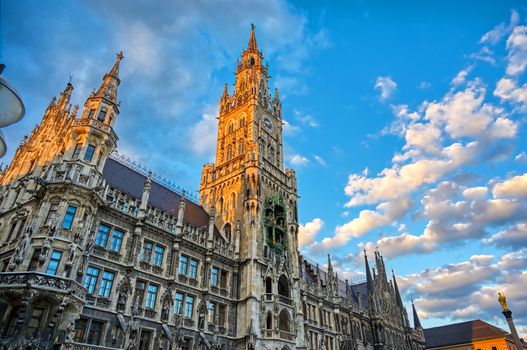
column 268, row 123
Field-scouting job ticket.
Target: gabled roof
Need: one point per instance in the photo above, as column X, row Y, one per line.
column 131, row 182
column 461, row 333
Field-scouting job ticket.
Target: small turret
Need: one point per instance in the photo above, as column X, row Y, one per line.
column 369, row 280
column 417, row 323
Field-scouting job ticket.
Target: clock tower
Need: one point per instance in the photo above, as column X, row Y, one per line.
column 253, row 200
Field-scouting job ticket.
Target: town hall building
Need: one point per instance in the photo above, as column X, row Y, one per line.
column 98, row 253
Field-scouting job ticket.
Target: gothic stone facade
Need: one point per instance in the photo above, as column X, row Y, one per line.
column 96, row 253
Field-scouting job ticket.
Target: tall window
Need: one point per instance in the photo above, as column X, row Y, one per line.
column 54, row 262
column 178, row 304
column 52, row 213
column 36, row 319
column 91, row 113
column 151, row 296
column 106, row 284
column 229, row 152
column 193, row 270
column 68, row 218
column 90, row 280
column 183, row 262
column 212, row 308
column 214, row 272
column 102, row 115
column 189, row 306
column 147, row 251
column 224, row 278
column 102, row 235
column 159, row 252
column 20, row 229
column 117, row 240
column 140, row 290
column 77, row 150
column 89, row 153
column 95, row 332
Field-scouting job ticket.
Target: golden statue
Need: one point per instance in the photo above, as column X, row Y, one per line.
column 503, row 301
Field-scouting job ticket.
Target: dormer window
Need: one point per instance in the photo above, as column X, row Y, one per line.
column 102, row 115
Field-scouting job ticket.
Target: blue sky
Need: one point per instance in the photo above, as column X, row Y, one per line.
column 404, row 121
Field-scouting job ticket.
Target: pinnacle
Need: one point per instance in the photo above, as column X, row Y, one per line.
column 252, row 40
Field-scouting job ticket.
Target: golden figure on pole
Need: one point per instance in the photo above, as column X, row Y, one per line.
column 503, row 301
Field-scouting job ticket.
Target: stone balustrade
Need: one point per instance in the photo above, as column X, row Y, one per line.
column 37, row 280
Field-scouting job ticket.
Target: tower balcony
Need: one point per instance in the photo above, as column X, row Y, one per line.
column 19, row 281
column 96, row 124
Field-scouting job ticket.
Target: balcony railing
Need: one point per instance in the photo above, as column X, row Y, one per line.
column 37, row 280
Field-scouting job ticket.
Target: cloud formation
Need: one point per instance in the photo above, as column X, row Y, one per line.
column 386, row 87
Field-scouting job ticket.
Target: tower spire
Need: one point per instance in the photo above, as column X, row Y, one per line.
column 417, row 323
column 397, row 293
column 369, row 280
column 252, row 40
column 108, row 88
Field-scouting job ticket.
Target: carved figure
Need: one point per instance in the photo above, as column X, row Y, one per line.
column 503, row 301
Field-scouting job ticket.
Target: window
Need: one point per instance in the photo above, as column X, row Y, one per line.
column 189, row 306
column 35, row 321
column 229, row 152
column 221, row 315
column 91, row 113
column 193, row 270
column 178, row 304
column 223, row 281
column 140, row 291
column 89, row 153
column 145, row 339
column 54, row 262
column 158, row 255
column 212, row 308
column 20, row 229
column 102, row 235
column 214, row 276
column 183, row 261
column 68, row 218
column 147, row 251
column 117, row 240
column 90, row 280
column 151, row 296
column 33, row 263
column 106, row 284
column 11, row 231
column 81, row 325
column 52, row 214
column 102, row 115
column 95, row 332
column 77, row 150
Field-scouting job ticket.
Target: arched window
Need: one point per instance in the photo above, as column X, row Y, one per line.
column 270, row 154
column 241, row 147
column 252, row 61
column 242, row 122
column 284, row 321
column 220, row 205
column 230, row 128
column 268, row 285
column 232, row 201
column 283, row 286
column 227, row 232
column 229, row 152
column 269, row 323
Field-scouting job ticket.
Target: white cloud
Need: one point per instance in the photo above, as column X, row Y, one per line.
column 508, row 90
column 521, row 157
column 424, row 85
column 497, row 33
column 461, row 77
column 308, row 231
column 386, row 86
column 306, row 119
column 320, row 160
column 515, row 187
column 204, row 133
column 298, row 160
column 289, row 128
column 517, row 46
column 513, row 236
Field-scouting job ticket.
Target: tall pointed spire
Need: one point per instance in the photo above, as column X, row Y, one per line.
column 417, row 323
column 369, row 280
column 252, row 40
column 330, row 267
column 397, row 293
column 108, row 88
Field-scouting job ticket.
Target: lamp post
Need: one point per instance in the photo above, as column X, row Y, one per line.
column 508, row 316
column 11, row 108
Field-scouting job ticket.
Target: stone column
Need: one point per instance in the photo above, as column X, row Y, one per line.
column 508, row 316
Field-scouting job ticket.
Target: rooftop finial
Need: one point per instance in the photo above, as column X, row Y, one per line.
column 252, row 40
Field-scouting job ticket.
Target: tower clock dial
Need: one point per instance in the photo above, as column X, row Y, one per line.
column 268, row 123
